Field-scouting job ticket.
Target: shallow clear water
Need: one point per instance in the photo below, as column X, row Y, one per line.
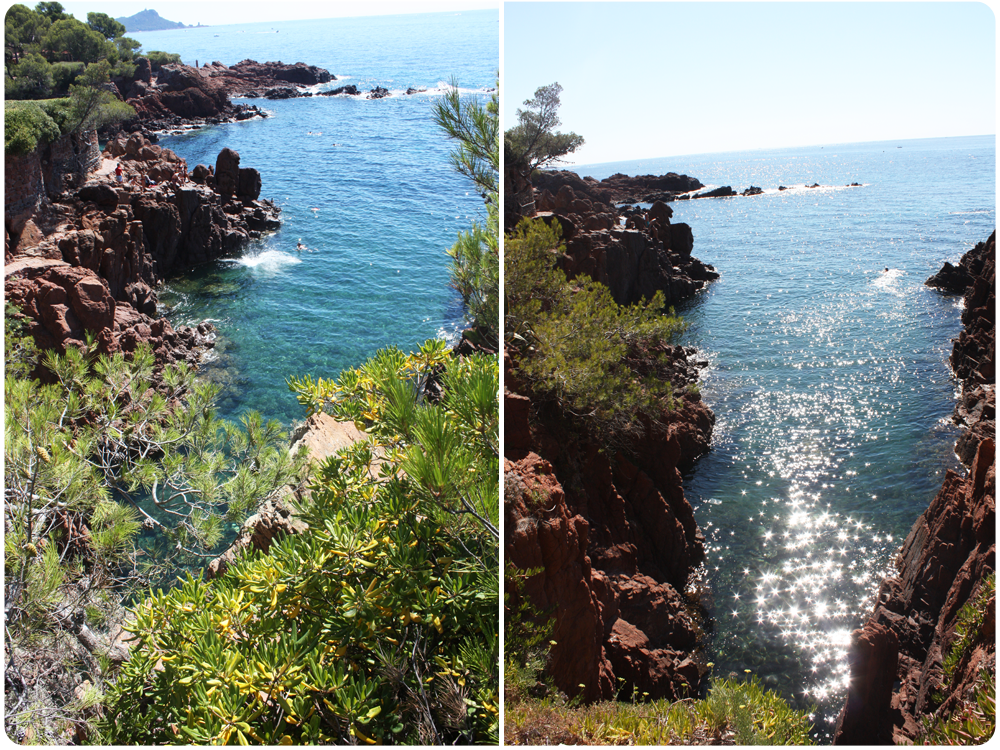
column 367, row 185
column 829, row 380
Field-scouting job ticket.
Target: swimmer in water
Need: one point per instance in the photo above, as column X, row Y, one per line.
column 300, row 247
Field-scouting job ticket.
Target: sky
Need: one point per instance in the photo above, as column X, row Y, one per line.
column 644, row 80
column 221, row 12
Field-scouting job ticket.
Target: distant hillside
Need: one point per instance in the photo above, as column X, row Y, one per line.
column 148, row 20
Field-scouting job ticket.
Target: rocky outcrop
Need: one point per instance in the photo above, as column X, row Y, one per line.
column 250, row 73
column 646, row 255
column 350, row 90
column 956, row 279
column 177, row 96
column 944, row 560
column 615, row 539
column 973, row 357
column 721, row 192
column 63, row 303
column 648, row 188
column 89, row 261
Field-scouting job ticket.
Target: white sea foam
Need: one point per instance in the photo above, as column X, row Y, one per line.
column 451, row 337
column 269, row 261
column 887, row 280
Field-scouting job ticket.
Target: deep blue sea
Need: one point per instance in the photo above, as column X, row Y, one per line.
column 367, row 185
column 829, row 380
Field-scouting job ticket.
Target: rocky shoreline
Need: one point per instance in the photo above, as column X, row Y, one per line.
column 88, row 260
column 897, row 674
column 633, row 252
column 616, row 542
column 610, row 532
column 176, row 97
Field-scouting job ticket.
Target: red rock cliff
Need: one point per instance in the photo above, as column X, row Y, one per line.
column 616, row 539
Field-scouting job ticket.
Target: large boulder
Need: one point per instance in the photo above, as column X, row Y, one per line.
column 249, row 183
column 227, row 172
column 298, row 73
column 350, row 89
column 186, row 92
column 100, row 193
column 62, row 301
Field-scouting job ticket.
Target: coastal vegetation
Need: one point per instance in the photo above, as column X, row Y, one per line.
column 111, row 485
column 62, row 66
column 735, row 712
column 475, row 269
column 379, row 623
column 45, row 49
column 601, row 366
column 574, row 345
column 534, row 143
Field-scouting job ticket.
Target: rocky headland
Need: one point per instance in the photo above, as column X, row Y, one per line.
column 175, row 96
column 897, row 657
column 609, row 532
column 634, row 252
column 84, row 253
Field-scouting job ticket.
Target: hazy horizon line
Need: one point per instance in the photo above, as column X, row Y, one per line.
column 306, row 20
column 570, row 165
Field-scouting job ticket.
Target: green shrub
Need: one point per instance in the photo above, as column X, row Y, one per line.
column 377, row 625
column 32, row 78
column 527, row 637
column 60, row 110
column 26, row 126
column 65, row 73
column 972, row 722
column 756, row 716
column 968, row 626
column 574, row 344
column 86, row 459
column 158, row 58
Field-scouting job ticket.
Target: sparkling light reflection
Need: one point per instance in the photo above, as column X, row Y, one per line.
column 832, row 403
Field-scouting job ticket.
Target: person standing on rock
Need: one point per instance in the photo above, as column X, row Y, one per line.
column 118, row 172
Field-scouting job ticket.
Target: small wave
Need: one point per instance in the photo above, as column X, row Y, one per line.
column 974, row 212
column 269, row 260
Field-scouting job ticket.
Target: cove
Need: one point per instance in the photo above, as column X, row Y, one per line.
column 829, row 380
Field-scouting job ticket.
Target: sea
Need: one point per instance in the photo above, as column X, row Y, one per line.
column 366, row 185
column 828, row 375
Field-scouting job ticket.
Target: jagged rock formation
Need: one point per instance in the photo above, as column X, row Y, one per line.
column 949, row 551
column 90, row 260
column 615, row 538
column 635, row 260
column 611, row 531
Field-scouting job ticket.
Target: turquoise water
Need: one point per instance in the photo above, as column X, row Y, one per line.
column 829, row 381
column 366, row 184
